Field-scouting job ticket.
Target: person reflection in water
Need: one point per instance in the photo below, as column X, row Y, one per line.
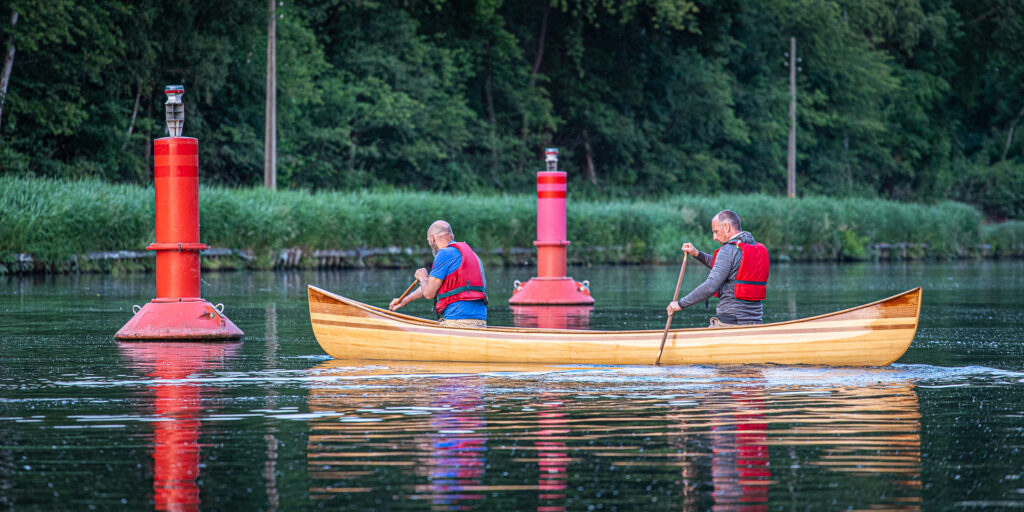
column 458, row 448
column 456, row 281
column 740, row 470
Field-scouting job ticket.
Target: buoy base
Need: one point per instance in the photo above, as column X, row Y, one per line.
column 186, row 320
column 551, row 290
column 552, row 316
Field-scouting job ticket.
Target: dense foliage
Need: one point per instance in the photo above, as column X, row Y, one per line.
column 898, row 99
column 53, row 219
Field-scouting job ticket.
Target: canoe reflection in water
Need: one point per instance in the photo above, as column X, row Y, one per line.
column 178, row 407
column 550, row 438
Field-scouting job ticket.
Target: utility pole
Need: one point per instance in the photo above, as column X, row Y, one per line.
column 791, row 166
column 270, row 133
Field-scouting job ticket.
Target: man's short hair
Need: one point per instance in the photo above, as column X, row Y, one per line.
column 729, row 217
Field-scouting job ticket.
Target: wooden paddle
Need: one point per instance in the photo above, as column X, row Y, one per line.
column 409, row 289
column 679, row 283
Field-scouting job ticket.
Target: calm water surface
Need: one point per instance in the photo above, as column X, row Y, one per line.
column 272, row 423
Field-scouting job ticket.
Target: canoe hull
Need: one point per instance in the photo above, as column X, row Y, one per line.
column 874, row 334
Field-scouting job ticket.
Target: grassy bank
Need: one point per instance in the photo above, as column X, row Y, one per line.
column 53, row 220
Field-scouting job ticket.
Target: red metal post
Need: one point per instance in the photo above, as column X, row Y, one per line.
column 551, row 243
column 177, row 246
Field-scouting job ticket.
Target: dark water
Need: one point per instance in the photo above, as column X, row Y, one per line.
column 271, row 423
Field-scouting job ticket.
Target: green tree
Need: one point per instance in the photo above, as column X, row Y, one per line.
column 63, row 50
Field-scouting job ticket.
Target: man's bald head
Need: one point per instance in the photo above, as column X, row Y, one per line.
column 439, row 235
column 441, row 228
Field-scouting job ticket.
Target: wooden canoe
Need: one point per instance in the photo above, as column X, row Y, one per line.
column 874, row 334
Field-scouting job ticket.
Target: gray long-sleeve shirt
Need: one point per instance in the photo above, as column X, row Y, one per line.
column 722, row 279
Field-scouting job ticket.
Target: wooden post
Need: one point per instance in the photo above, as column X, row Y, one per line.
column 791, row 164
column 270, row 133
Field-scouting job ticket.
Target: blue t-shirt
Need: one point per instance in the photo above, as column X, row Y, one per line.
column 449, row 260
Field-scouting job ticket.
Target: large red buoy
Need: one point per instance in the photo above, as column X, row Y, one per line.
column 551, row 286
column 178, row 312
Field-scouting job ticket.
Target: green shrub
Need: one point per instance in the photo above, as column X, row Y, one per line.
column 853, row 246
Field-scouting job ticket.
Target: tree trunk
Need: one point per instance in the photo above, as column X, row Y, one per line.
column 1009, row 136
column 588, row 168
column 5, row 78
column 540, row 46
column 353, row 141
column 135, row 114
column 533, row 74
column 489, row 100
column 147, row 152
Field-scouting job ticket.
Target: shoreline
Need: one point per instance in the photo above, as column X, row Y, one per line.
column 232, row 260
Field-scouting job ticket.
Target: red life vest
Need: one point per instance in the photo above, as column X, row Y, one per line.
column 466, row 283
column 752, row 276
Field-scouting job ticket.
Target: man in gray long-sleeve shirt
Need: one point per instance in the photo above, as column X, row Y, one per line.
column 723, row 277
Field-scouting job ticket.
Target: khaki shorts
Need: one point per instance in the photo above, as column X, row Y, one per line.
column 470, row 323
column 715, row 322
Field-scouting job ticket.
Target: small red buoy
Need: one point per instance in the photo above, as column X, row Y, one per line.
column 178, row 312
column 551, row 285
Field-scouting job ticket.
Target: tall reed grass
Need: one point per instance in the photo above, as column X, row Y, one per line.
column 1006, row 239
column 53, row 219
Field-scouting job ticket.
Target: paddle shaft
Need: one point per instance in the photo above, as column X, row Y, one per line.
column 415, row 282
column 409, row 289
column 675, row 297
